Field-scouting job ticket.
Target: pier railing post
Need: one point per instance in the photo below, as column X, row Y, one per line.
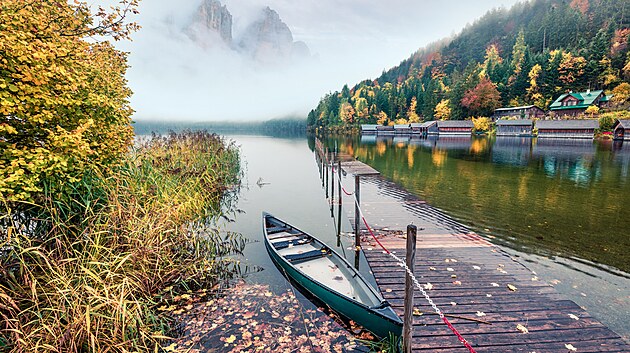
column 410, row 259
column 339, row 181
column 357, row 212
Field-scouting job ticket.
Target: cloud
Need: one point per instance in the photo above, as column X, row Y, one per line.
column 173, row 78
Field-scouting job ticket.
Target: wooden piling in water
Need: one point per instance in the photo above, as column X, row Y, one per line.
column 410, row 260
column 357, row 211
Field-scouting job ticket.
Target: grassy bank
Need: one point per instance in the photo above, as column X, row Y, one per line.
column 87, row 274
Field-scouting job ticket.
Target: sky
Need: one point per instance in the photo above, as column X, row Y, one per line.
column 175, row 79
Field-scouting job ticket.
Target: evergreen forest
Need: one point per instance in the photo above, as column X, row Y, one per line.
column 526, row 55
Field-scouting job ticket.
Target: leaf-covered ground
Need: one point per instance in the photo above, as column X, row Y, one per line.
column 250, row 318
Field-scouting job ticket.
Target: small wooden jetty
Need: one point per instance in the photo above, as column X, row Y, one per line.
column 494, row 301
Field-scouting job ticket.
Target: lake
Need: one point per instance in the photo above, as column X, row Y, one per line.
column 558, row 205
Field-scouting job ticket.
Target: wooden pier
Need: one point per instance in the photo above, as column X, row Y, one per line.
column 494, row 301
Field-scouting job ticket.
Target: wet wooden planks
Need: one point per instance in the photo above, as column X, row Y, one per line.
column 470, row 280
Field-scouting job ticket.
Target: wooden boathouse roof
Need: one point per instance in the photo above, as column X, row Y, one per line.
column 567, row 124
column 456, row 123
column 515, row 122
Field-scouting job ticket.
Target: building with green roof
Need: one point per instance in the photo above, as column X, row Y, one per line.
column 575, row 103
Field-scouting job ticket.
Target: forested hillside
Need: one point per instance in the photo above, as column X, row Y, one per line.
column 529, row 54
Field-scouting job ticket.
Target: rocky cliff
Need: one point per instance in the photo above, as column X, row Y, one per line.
column 211, row 19
column 267, row 39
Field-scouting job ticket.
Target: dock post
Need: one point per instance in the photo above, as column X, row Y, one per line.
column 410, row 259
column 327, row 177
column 332, row 187
column 339, row 181
column 357, row 217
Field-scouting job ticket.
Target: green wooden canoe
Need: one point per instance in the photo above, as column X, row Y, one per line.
column 328, row 277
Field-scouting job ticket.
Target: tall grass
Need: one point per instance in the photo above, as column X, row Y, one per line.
column 86, row 273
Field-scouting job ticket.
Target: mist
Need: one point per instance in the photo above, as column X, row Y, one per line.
column 174, row 78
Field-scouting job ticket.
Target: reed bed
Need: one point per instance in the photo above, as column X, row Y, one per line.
column 86, row 273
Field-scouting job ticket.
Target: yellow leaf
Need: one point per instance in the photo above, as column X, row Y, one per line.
column 570, row 347
column 417, row 312
column 230, row 339
column 511, row 287
column 522, row 328
column 170, row 348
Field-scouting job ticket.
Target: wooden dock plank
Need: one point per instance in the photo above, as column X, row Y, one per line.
column 469, row 279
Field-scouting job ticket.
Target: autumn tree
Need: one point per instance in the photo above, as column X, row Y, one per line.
column 346, row 113
column 483, row 99
column 621, row 93
column 64, row 100
column 571, row 68
column 412, row 116
column 442, row 110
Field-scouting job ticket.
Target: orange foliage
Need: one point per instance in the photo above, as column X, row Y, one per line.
column 580, row 5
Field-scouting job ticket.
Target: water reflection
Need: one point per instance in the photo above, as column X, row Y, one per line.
column 554, row 196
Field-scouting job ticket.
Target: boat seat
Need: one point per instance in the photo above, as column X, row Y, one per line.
column 309, row 255
column 273, row 230
column 303, row 239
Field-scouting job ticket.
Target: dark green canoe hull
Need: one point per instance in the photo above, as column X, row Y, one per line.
column 381, row 321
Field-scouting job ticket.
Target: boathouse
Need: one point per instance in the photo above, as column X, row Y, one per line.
column 384, row 130
column 567, row 128
column 368, row 129
column 574, row 104
column 402, row 129
column 415, row 128
column 524, row 112
column 455, row 127
column 619, row 129
column 429, row 128
column 518, row 127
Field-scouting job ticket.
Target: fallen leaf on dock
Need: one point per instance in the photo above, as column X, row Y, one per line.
column 477, row 267
column 511, row 287
column 494, row 284
column 453, row 276
column 488, row 295
column 449, row 269
column 453, row 260
column 570, row 347
column 388, row 290
column 417, row 312
column 457, row 283
column 480, row 313
column 453, row 303
column 431, row 268
column 522, row 328
column 574, row 317
column 535, row 278
column 428, row 286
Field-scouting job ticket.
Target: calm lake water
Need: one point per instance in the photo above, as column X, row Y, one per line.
column 561, row 206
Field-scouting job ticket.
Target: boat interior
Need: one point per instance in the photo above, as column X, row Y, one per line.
column 316, row 260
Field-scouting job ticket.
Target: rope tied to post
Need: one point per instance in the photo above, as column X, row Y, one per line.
column 417, row 284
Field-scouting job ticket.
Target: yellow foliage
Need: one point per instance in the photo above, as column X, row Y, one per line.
column 64, row 105
column 482, row 124
column 442, row 110
column 592, row 110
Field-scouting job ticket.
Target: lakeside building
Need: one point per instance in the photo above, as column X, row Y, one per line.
column 368, row 129
column 523, row 112
column 567, row 128
column 384, row 130
column 429, row 128
column 574, row 104
column 402, row 129
column 619, row 129
column 455, row 127
column 518, row 127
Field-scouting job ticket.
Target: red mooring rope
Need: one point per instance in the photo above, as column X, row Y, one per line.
column 444, row 319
